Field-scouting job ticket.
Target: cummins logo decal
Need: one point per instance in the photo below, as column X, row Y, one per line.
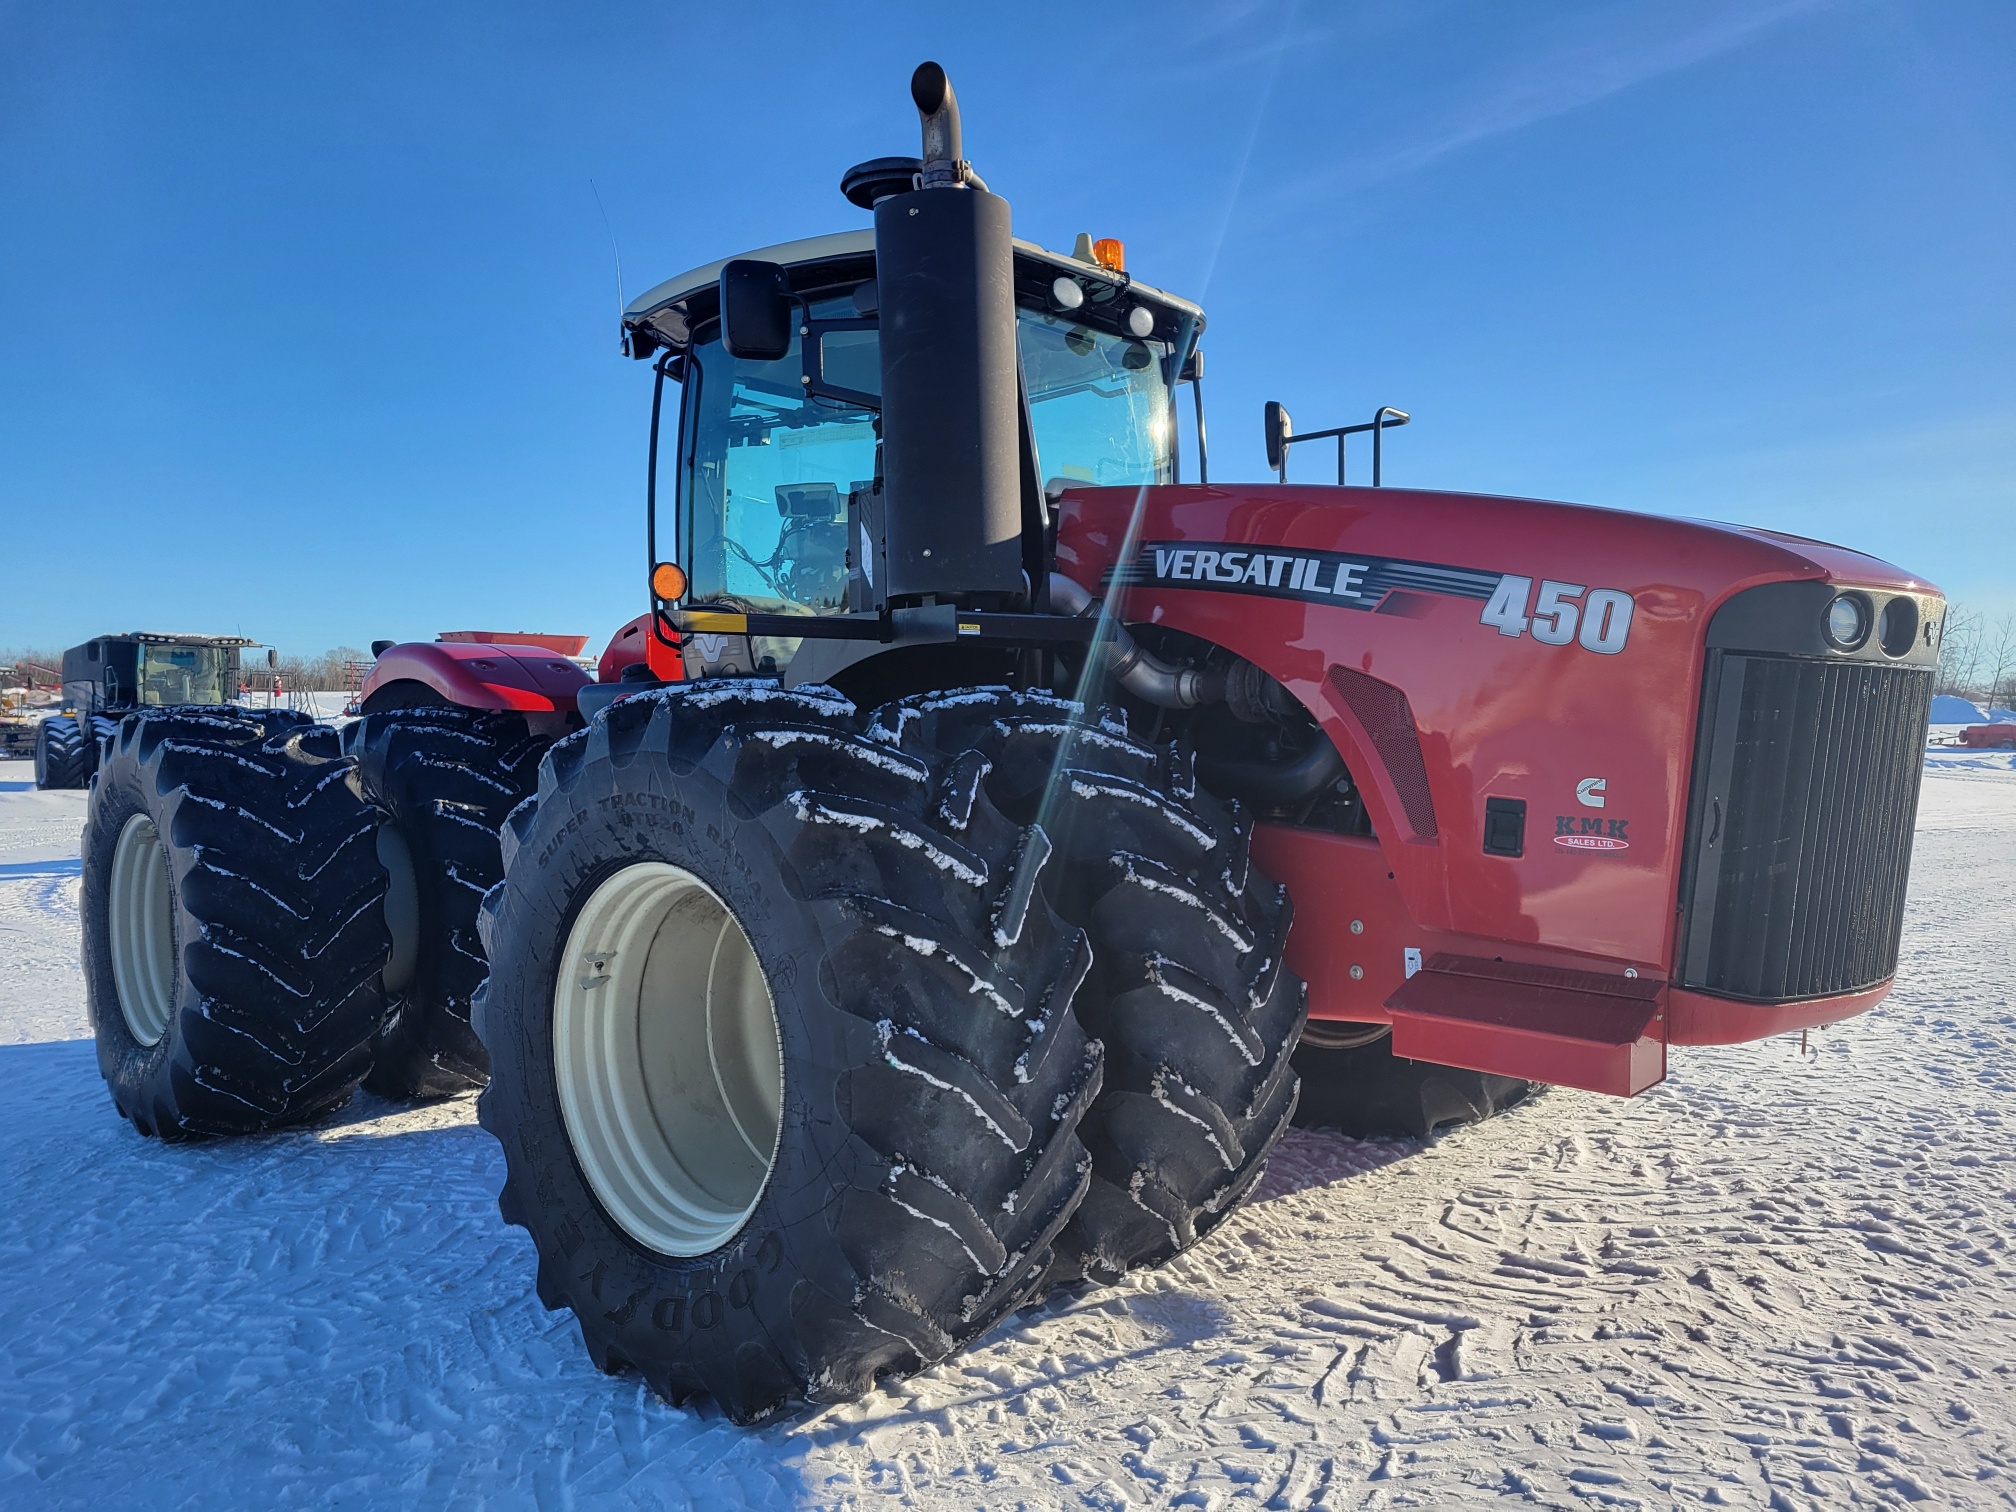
column 1314, row 577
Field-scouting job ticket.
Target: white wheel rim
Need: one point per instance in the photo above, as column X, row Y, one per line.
column 141, row 920
column 668, row 1059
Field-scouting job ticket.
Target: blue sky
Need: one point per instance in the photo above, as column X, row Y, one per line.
column 307, row 314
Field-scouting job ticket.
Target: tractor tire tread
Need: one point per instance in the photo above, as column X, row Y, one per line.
column 281, row 939
column 1188, row 992
column 1369, row 1092
column 446, row 778
column 963, row 1079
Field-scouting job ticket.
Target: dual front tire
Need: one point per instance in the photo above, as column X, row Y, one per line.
column 789, row 1016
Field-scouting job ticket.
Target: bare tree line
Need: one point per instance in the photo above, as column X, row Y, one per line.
column 328, row 673
column 1977, row 656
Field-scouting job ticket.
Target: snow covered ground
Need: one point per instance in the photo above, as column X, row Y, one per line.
column 1783, row 1279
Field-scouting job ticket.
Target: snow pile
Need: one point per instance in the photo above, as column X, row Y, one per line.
column 1782, row 1279
column 1947, row 709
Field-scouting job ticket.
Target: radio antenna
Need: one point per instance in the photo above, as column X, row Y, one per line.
column 618, row 256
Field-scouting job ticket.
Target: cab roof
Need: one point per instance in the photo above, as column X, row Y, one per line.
column 159, row 638
column 666, row 310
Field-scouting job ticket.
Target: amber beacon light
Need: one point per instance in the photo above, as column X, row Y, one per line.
column 668, row 581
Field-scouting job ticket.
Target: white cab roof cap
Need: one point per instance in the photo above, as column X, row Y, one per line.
column 859, row 243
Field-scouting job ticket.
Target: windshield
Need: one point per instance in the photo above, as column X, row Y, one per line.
column 186, row 675
column 1099, row 403
column 764, row 485
column 768, row 466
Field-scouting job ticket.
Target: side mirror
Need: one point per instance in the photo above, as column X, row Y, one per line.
column 756, row 310
column 1280, row 431
column 272, row 657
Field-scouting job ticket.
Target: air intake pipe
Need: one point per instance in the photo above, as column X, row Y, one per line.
column 1146, row 676
column 1253, row 695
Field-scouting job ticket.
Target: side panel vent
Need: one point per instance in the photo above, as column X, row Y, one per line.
column 1389, row 721
column 1799, row 828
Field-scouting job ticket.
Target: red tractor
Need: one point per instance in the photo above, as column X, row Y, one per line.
column 899, row 925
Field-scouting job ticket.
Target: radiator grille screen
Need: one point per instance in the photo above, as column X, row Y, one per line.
column 1389, row 720
column 1799, row 830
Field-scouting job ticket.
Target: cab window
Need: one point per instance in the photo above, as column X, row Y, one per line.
column 1099, row 404
column 185, row 675
column 767, row 464
column 764, row 479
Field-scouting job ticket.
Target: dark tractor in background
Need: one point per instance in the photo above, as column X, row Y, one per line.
column 108, row 678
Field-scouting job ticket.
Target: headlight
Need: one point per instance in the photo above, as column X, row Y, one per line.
column 1847, row 622
column 1900, row 626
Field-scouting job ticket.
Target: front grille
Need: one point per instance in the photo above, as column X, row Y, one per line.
column 1799, row 827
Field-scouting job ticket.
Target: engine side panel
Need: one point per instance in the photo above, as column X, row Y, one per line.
column 1444, row 597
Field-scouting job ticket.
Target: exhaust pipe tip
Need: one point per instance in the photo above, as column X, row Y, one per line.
column 938, row 107
column 929, row 87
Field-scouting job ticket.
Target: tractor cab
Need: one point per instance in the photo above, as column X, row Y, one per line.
column 778, row 457
column 107, row 678
column 142, row 669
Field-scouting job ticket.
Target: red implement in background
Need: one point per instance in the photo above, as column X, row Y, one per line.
column 566, row 645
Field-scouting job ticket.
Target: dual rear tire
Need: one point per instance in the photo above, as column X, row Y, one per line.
column 233, row 934
column 274, row 914
column 442, row 780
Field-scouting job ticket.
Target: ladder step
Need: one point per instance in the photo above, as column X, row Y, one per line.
column 1548, row 1024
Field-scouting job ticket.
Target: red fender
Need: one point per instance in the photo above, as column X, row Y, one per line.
column 635, row 643
column 527, row 679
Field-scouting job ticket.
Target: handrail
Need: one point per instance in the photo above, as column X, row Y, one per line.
column 1378, row 425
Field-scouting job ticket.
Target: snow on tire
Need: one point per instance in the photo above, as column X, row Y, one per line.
column 444, row 779
column 233, row 935
column 782, row 1055
column 60, row 754
column 1189, row 993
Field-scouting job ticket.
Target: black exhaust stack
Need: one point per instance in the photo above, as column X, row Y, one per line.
column 951, row 408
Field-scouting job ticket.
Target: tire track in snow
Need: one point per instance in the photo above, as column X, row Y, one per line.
column 1778, row 1280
